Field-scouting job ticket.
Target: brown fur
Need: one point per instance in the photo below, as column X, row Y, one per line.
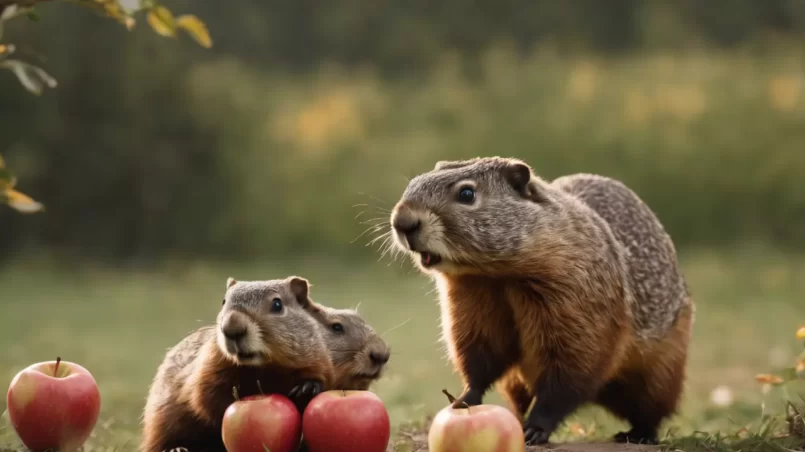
column 194, row 385
column 568, row 292
column 358, row 353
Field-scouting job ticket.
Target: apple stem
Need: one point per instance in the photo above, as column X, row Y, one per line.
column 452, row 399
column 260, row 387
column 235, row 393
column 56, row 367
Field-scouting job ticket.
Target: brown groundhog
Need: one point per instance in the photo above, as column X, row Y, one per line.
column 358, row 353
column 263, row 340
column 568, row 292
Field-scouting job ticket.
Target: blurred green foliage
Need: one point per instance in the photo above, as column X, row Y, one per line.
column 34, row 78
column 307, row 114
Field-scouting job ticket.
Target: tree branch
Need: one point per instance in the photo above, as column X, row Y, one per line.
column 20, row 3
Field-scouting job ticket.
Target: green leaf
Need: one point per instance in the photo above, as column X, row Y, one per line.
column 33, row 78
column 162, row 21
column 33, row 15
column 7, row 179
column 13, row 11
column 195, row 28
column 788, row 374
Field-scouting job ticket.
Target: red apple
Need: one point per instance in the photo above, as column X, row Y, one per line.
column 346, row 421
column 262, row 422
column 478, row 428
column 53, row 405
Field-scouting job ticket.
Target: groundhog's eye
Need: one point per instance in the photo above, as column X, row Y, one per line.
column 466, row 195
column 276, row 305
column 337, row 327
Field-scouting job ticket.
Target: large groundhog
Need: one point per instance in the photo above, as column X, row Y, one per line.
column 568, row 292
column 263, row 341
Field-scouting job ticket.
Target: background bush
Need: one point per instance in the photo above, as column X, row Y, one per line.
column 262, row 145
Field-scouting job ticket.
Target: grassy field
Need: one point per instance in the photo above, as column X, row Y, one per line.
column 118, row 323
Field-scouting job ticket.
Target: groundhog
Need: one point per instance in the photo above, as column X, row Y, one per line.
column 358, row 353
column 568, row 292
column 263, row 341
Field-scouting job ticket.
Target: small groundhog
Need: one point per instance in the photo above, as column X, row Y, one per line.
column 358, row 353
column 568, row 292
column 263, row 340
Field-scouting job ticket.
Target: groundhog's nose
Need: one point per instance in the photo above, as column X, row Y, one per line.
column 234, row 328
column 406, row 223
column 379, row 358
column 234, row 333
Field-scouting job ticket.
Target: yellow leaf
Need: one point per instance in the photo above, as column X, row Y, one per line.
column 161, row 20
column 7, row 49
column 195, row 28
column 22, row 202
column 577, row 429
column 769, row 379
column 801, row 333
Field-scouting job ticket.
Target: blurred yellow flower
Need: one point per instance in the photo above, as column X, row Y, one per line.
column 583, row 82
column 638, row 106
column 801, row 333
column 784, row 92
column 686, row 102
column 577, row 429
column 317, row 125
column 768, row 379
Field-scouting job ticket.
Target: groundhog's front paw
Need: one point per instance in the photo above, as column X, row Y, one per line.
column 306, row 390
column 535, row 435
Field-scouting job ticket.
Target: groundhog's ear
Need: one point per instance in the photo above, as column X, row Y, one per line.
column 300, row 287
column 518, row 175
column 230, row 282
column 451, row 164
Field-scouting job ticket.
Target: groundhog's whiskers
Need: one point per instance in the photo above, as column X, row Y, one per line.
column 383, row 334
column 374, row 225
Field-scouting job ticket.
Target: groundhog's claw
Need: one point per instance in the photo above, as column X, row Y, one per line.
column 306, row 390
column 635, row 437
column 536, row 435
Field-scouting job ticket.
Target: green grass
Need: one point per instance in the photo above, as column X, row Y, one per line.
column 118, row 323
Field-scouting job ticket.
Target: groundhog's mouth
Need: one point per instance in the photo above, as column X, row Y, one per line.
column 429, row 259
column 368, row 375
column 246, row 356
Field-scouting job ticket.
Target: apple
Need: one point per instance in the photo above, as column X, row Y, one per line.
column 478, row 428
column 346, row 421
column 53, row 405
column 262, row 422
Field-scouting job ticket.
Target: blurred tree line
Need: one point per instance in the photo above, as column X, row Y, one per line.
column 262, row 145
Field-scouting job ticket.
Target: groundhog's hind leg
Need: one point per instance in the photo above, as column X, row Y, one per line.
column 648, row 391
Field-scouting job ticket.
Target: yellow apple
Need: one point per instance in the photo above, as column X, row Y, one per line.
column 480, row 428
